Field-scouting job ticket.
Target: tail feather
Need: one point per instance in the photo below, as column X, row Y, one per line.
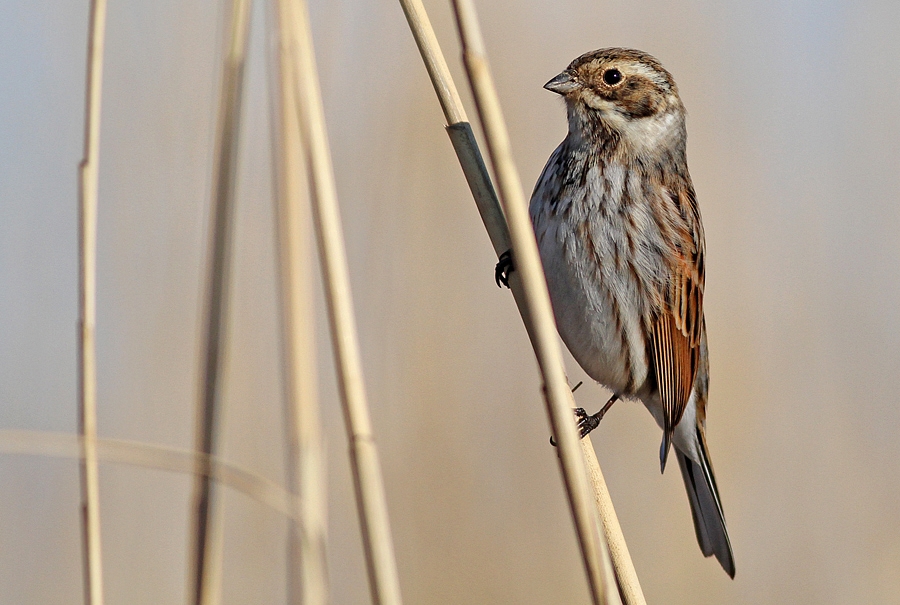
column 706, row 509
column 664, row 448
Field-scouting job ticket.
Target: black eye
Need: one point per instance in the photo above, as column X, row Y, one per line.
column 612, row 76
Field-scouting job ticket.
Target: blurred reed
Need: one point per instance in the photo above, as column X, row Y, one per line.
column 371, row 501
column 87, row 306
column 153, row 456
column 305, row 463
column 206, row 551
column 297, row 109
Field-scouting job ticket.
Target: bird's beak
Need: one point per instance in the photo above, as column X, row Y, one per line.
column 562, row 84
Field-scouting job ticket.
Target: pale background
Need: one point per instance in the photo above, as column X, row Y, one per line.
column 794, row 128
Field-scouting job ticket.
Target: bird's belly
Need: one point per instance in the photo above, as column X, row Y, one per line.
column 599, row 335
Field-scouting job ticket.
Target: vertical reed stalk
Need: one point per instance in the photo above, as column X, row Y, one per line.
column 537, row 302
column 307, row 569
column 207, row 534
column 371, row 501
column 87, row 304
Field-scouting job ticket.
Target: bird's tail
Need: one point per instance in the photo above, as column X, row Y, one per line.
column 709, row 520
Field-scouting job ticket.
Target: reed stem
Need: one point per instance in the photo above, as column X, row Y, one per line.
column 153, row 456
column 87, row 305
column 207, row 535
column 371, row 501
column 305, row 466
column 469, row 155
column 536, row 302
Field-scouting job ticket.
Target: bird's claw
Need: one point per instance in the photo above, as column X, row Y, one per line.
column 586, row 423
column 503, row 269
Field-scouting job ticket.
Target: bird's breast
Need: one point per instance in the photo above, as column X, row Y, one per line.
column 601, row 252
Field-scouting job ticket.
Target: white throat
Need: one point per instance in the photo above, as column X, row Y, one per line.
column 645, row 136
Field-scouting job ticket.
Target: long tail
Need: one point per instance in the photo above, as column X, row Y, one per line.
column 709, row 520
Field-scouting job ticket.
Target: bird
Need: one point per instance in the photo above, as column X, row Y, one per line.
column 621, row 240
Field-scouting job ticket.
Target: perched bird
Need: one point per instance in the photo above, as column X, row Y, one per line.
column 622, row 245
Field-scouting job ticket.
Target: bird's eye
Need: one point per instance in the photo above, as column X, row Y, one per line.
column 612, row 76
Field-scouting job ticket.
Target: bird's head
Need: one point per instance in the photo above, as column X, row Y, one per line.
column 625, row 92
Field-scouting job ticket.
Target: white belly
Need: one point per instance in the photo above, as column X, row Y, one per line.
column 607, row 344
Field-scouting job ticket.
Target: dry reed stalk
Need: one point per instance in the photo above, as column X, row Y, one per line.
column 153, row 456
column 305, row 468
column 87, row 305
column 460, row 132
column 466, row 147
column 371, row 502
column 626, row 576
column 536, row 301
column 206, row 549
column 470, row 159
column 458, row 127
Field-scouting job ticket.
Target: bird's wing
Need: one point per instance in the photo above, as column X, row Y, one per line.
column 677, row 328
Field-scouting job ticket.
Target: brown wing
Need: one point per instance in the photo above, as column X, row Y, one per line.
column 677, row 329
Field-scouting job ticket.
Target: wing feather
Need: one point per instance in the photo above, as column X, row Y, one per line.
column 677, row 328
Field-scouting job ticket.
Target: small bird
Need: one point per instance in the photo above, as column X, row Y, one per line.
column 620, row 237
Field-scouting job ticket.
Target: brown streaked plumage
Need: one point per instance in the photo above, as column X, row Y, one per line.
column 621, row 239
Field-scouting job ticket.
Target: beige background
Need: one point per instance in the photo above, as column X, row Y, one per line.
column 794, row 130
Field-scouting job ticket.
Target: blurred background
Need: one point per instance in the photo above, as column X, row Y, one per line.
column 794, row 142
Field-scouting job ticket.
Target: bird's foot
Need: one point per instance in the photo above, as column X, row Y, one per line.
column 588, row 422
column 503, row 269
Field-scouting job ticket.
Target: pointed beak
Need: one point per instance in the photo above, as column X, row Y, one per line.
column 562, row 84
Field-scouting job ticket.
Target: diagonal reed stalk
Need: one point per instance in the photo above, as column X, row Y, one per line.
column 371, row 501
column 305, row 468
column 536, row 300
column 207, row 524
column 87, row 305
column 476, row 174
column 626, row 576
